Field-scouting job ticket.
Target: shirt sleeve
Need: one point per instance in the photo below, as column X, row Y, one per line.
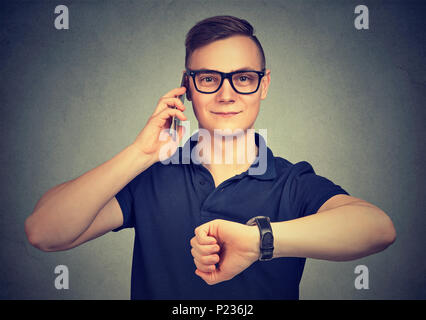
column 310, row 191
column 125, row 199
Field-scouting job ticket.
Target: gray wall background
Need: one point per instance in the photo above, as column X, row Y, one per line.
column 349, row 102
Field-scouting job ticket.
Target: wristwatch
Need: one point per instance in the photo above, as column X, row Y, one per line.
column 266, row 236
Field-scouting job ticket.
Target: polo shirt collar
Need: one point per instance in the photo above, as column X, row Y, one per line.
column 269, row 174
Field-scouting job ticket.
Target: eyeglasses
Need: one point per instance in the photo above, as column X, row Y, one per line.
column 242, row 81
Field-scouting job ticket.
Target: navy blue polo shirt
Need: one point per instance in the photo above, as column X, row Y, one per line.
column 166, row 202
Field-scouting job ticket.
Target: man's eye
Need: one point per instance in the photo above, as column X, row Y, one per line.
column 244, row 78
column 208, row 79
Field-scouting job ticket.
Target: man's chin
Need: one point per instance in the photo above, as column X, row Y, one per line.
column 226, row 130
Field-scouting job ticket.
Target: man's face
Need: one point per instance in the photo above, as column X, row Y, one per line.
column 227, row 55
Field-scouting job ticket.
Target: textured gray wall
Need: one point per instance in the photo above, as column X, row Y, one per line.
column 349, row 102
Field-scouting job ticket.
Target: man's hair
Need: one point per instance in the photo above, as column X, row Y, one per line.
column 218, row 28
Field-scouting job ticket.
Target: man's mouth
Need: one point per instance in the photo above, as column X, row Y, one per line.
column 226, row 114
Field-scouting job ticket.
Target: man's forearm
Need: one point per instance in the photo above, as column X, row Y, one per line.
column 344, row 233
column 67, row 210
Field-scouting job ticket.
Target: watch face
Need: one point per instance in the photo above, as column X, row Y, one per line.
column 267, row 241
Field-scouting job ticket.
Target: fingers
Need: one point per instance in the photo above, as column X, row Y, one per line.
column 207, row 263
column 170, row 99
column 209, row 277
column 165, row 103
column 204, row 249
column 168, row 113
column 164, row 116
column 205, row 255
column 175, row 92
column 205, row 267
column 155, row 138
column 202, row 235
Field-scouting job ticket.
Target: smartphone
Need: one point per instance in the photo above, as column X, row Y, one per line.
column 175, row 120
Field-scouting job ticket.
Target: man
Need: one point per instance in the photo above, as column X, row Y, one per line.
column 301, row 214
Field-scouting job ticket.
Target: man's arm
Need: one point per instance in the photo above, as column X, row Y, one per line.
column 85, row 208
column 344, row 228
column 65, row 216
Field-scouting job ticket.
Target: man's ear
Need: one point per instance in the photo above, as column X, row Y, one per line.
column 264, row 85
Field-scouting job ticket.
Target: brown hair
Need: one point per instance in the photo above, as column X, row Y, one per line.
column 217, row 28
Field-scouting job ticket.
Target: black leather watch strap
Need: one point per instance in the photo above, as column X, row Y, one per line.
column 266, row 236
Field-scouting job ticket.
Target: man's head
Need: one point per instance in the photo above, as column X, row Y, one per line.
column 225, row 44
column 218, row 28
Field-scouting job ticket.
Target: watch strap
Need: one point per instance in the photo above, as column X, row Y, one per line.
column 266, row 236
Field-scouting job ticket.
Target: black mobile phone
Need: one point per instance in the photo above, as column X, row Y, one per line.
column 175, row 120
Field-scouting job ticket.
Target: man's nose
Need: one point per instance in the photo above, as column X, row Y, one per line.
column 226, row 92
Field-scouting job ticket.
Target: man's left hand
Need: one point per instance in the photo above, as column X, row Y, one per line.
column 222, row 249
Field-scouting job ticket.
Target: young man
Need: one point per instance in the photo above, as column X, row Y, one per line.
column 301, row 214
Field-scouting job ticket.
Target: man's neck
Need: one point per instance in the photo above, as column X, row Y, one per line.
column 227, row 155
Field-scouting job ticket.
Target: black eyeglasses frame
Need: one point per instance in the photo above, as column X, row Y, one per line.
column 224, row 75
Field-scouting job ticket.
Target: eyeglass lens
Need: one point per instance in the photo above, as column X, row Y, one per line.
column 244, row 82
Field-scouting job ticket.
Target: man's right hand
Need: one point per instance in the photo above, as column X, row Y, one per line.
column 148, row 141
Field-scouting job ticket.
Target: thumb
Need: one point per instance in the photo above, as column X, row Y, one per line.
column 209, row 277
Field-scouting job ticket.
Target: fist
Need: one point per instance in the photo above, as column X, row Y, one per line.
column 222, row 249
